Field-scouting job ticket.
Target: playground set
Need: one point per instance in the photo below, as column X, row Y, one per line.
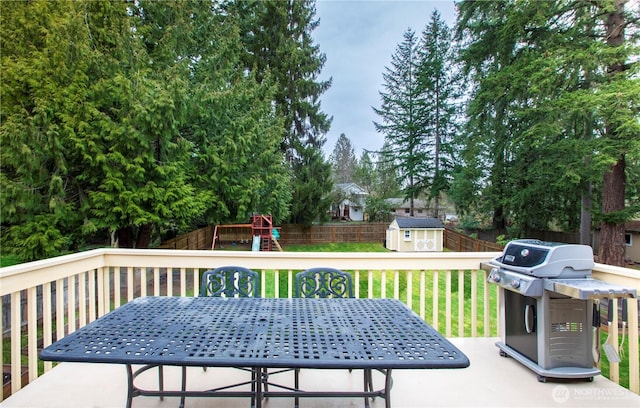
column 264, row 236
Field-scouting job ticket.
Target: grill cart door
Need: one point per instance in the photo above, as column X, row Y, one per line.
column 521, row 324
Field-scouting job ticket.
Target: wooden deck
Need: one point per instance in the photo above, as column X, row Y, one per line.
column 490, row 381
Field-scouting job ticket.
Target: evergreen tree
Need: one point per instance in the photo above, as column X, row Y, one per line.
column 543, row 107
column 387, row 172
column 122, row 118
column 404, row 122
column 343, row 161
column 439, row 85
column 621, row 97
column 380, row 183
column 142, row 182
column 279, row 48
column 365, row 173
column 44, row 56
column 237, row 165
column 311, row 201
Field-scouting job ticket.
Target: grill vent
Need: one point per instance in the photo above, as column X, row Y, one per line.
column 572, row 327
column 567, row 342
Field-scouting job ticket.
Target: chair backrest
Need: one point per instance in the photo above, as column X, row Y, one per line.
column 229, row 281
column 323, row 283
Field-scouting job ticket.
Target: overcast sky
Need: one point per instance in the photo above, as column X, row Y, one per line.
column 358, row 38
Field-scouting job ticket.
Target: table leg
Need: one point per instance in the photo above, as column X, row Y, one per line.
column 256, row 377
column 129, row 385
column 161, row 381
column 367, row 386
column 257, row 396
column 388, row 383
column 183, row 385
column 296, row 385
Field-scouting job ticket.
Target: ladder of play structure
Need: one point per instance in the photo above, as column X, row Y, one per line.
column 276, row 243
column 265, row 244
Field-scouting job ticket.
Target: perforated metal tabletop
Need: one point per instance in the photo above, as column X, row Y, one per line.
column 294, row 333
column 380, row 334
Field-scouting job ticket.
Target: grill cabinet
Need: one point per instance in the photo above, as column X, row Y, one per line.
column 546, row 308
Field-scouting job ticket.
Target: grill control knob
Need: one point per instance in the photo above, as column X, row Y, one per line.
column 494, row 276
column 515, row 284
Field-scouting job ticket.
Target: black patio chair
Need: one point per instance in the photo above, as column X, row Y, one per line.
column 225, row 281
column 230, row 281
column 323, row 283
column 320, row 283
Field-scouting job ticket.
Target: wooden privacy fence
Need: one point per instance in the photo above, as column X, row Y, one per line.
column 291, row 234
column 327, row 233
column 458, row 242
column 198, row 239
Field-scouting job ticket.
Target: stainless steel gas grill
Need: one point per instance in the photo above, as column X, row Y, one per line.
column 547, row 319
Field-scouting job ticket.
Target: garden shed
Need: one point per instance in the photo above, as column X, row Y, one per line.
column 407, row 234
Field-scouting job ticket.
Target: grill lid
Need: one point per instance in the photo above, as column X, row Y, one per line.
column 547, row 259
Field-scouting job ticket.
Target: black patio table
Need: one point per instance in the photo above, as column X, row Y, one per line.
column 257, row 334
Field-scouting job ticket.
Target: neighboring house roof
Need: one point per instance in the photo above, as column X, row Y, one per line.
column 350, row 188
column 413, row 223
column 402, row 203
column 632, row 226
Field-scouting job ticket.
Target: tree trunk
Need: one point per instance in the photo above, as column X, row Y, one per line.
column 498, row 219
column 144, row 236
column 585, row 217
column 125, row 237
column 612, row 233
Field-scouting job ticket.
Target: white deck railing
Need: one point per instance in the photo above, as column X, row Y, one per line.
column 447, row 289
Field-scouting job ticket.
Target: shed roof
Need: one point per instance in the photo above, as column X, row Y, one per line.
column 409, row 222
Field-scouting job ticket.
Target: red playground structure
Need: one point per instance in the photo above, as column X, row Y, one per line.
column 264, row 236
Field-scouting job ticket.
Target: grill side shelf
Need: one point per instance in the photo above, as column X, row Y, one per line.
column 588, row 288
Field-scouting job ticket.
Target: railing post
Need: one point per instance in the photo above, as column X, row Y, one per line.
column 614, row 368
column 448, row 304
column 487, row 305
column 92, row 278
column 32, row 332
column 82, row 299
column 116, row 286
column 143, row 282
column 460, row 303
column 634, row 360
column 130, row 283
column 156, row 281
column 410, row 289
column 474, row 303
column 59, row 308
column 16, row 323
column 46, row 321
column 396, row 284
column 435, row 301
column 102, row 309
column 422, row 294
